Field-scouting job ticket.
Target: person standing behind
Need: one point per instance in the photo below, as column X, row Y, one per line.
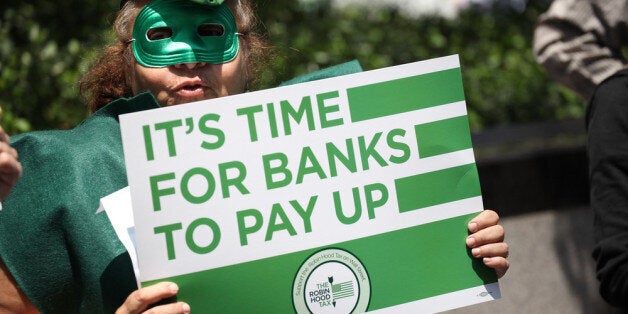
column 10, row 171
column 580, row 42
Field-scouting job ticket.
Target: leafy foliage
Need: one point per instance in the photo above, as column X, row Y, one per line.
column 503, row 82
column 45, row 47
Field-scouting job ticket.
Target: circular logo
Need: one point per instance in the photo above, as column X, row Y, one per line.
column 331, row 281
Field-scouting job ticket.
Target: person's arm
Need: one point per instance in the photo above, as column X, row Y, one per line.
column 608, row 171
column 579, row 42
column 487, row 241
column 12, row 299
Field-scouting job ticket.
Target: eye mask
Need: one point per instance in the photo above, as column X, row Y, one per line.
column 168, row 32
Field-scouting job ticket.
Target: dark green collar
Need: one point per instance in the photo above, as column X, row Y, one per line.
column 143, row 101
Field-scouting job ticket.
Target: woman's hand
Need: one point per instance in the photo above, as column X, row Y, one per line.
column 10, row 167
column 487, row 241
column 141, row 299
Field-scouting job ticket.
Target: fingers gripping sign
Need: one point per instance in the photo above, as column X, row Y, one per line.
column 140, row 300
column 486, row 241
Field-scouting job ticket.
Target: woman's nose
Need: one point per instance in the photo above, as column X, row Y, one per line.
column 190, row 65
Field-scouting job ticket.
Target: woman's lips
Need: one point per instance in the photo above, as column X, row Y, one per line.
column 191, row 90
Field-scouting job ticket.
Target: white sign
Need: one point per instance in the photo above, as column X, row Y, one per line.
column 345, row 193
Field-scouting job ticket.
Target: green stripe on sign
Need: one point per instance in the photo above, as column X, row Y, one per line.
column 437, row 187
column 444, row 136
column 403, row 266
column 405, row 95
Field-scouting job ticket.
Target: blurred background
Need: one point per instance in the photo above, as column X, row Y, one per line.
column 528, row 131
column 45, row 47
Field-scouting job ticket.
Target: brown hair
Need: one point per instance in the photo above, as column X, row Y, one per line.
column 107, row 80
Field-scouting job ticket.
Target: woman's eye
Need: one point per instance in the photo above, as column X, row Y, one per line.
column 158, row 33
column 211, row 30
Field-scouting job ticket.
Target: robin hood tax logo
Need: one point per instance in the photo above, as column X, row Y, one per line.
column 331, row 281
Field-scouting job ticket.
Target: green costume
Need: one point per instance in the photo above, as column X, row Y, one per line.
column 63, row 255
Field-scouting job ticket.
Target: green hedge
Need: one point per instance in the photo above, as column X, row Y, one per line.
column 45, row 48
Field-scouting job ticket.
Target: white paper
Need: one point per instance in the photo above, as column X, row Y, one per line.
column 120, row 213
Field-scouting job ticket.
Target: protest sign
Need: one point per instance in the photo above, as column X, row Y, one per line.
column 347, row 194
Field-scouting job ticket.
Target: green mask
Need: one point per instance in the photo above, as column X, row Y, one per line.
column 168, row 32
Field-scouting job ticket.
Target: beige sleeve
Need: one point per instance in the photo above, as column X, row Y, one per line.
column 579, row 42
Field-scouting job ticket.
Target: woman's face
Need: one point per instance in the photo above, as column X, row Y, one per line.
column 187, row 82
column 183, row 83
